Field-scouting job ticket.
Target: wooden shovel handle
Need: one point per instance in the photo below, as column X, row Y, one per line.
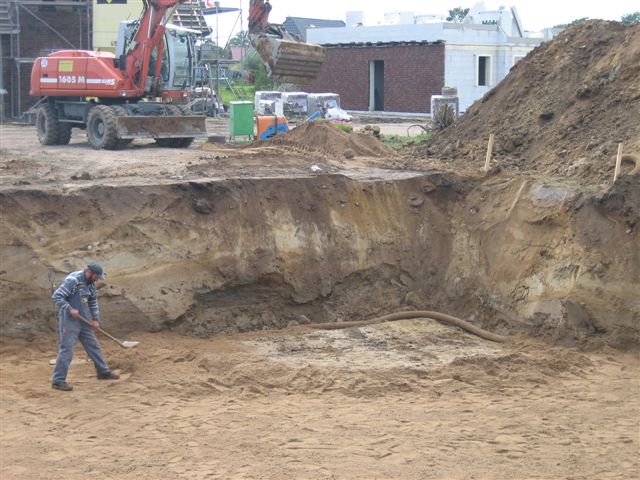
column 106, row 334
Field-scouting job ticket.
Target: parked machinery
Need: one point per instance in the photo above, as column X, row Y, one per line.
column 117, row 98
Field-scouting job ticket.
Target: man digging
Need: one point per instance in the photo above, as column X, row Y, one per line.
column 77, row 297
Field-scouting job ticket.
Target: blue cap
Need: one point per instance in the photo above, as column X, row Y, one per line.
column 97, row 269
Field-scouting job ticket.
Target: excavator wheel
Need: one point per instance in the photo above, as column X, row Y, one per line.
column 48, row 125
column 185, row 110
column 101, row 128
column 177, row 110
column 187, row 141
column 64, row 133
column 120, row 111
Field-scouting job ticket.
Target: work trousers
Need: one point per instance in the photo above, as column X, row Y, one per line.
column 70, row 331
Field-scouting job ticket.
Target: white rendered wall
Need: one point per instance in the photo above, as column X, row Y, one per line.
column 463, row 44
column 460, row 67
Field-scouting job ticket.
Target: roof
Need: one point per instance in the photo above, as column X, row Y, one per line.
column 381, row 44
column 299, row 25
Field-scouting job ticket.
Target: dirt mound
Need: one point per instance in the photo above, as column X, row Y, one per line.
column 561, row 110
column 322, row 136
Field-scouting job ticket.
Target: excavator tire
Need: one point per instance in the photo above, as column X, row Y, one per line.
column 48, row 125
column 64, row 133
column 101, row 128
column 187, row 141
column 176, row 142
column 185, row 110
column 120, row 111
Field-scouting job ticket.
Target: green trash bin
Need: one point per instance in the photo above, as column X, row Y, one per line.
column 241, row 118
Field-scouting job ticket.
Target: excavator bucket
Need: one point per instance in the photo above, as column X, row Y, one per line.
column 161, row 126
column 289, row 61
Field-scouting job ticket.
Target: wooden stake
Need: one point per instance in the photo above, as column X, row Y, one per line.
column 616, row 172
column 489, row 150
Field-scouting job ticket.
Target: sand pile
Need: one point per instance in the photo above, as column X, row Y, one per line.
column 322, row 136
column 561, row 110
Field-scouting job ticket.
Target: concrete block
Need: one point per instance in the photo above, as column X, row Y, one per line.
column 437, row 101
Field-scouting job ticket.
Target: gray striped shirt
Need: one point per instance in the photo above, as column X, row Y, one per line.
column 69, row 288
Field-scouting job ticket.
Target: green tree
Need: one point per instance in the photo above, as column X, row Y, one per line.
column 240, row 39
column 457, row 14
column 210, row 51
column 631, row 18
column 260, row 80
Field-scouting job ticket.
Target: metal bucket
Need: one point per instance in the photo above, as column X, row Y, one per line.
column 161, row 126
column 290, row 61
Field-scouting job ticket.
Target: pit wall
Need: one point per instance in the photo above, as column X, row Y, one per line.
column 246, row 254
column 553, row 259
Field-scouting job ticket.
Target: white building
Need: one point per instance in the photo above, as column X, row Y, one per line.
column 479, row 52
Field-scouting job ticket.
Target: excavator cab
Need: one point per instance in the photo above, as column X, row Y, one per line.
column 285, row 56
column 178, row 55
column 177, row 78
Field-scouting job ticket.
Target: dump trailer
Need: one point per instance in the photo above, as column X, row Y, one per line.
column 139, row 92
column 285, row 56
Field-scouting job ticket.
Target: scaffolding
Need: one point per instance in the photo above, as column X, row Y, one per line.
column 189, row 15
column 14, row 57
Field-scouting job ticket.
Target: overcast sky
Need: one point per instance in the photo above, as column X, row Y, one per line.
column 535, row 14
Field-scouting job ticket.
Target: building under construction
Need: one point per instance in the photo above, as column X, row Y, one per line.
column 31, row 28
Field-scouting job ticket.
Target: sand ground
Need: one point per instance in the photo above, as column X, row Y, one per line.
column 409, row 400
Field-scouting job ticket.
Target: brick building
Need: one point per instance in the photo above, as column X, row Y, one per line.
column 31, row 28
column 396, row 67
column 392, row 76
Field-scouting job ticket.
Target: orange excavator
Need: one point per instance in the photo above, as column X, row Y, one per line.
column 286, row 57
column 138, row 93
column 117, row 99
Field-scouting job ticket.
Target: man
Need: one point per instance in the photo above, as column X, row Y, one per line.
column 77, row 297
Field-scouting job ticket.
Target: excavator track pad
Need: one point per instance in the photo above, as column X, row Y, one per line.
column 289, row 61
column 161, row 126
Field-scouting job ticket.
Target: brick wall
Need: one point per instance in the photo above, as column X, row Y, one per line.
column 36, row 38
column 412, row 73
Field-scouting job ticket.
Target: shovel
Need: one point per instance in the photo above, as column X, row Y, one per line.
column 122, row 343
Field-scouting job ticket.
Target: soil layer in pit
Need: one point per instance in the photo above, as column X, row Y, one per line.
column 512, row 254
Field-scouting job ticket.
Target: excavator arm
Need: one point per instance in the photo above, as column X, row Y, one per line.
column 259, row 16
column 148, row 38
column 286, row 57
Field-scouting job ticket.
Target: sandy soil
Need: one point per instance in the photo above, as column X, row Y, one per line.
column 408, row 400
column 26, row 163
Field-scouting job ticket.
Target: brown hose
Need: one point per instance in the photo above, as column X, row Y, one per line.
column 441, row 317
column 632, row 159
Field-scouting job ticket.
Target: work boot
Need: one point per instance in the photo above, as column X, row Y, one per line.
column 108, row 376
column 64, row 386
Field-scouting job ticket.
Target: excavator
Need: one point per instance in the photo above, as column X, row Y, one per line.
column 285, row 56
column 141, row 91
column 117, row 99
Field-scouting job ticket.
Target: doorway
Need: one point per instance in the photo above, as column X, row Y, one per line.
column 376, row 85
